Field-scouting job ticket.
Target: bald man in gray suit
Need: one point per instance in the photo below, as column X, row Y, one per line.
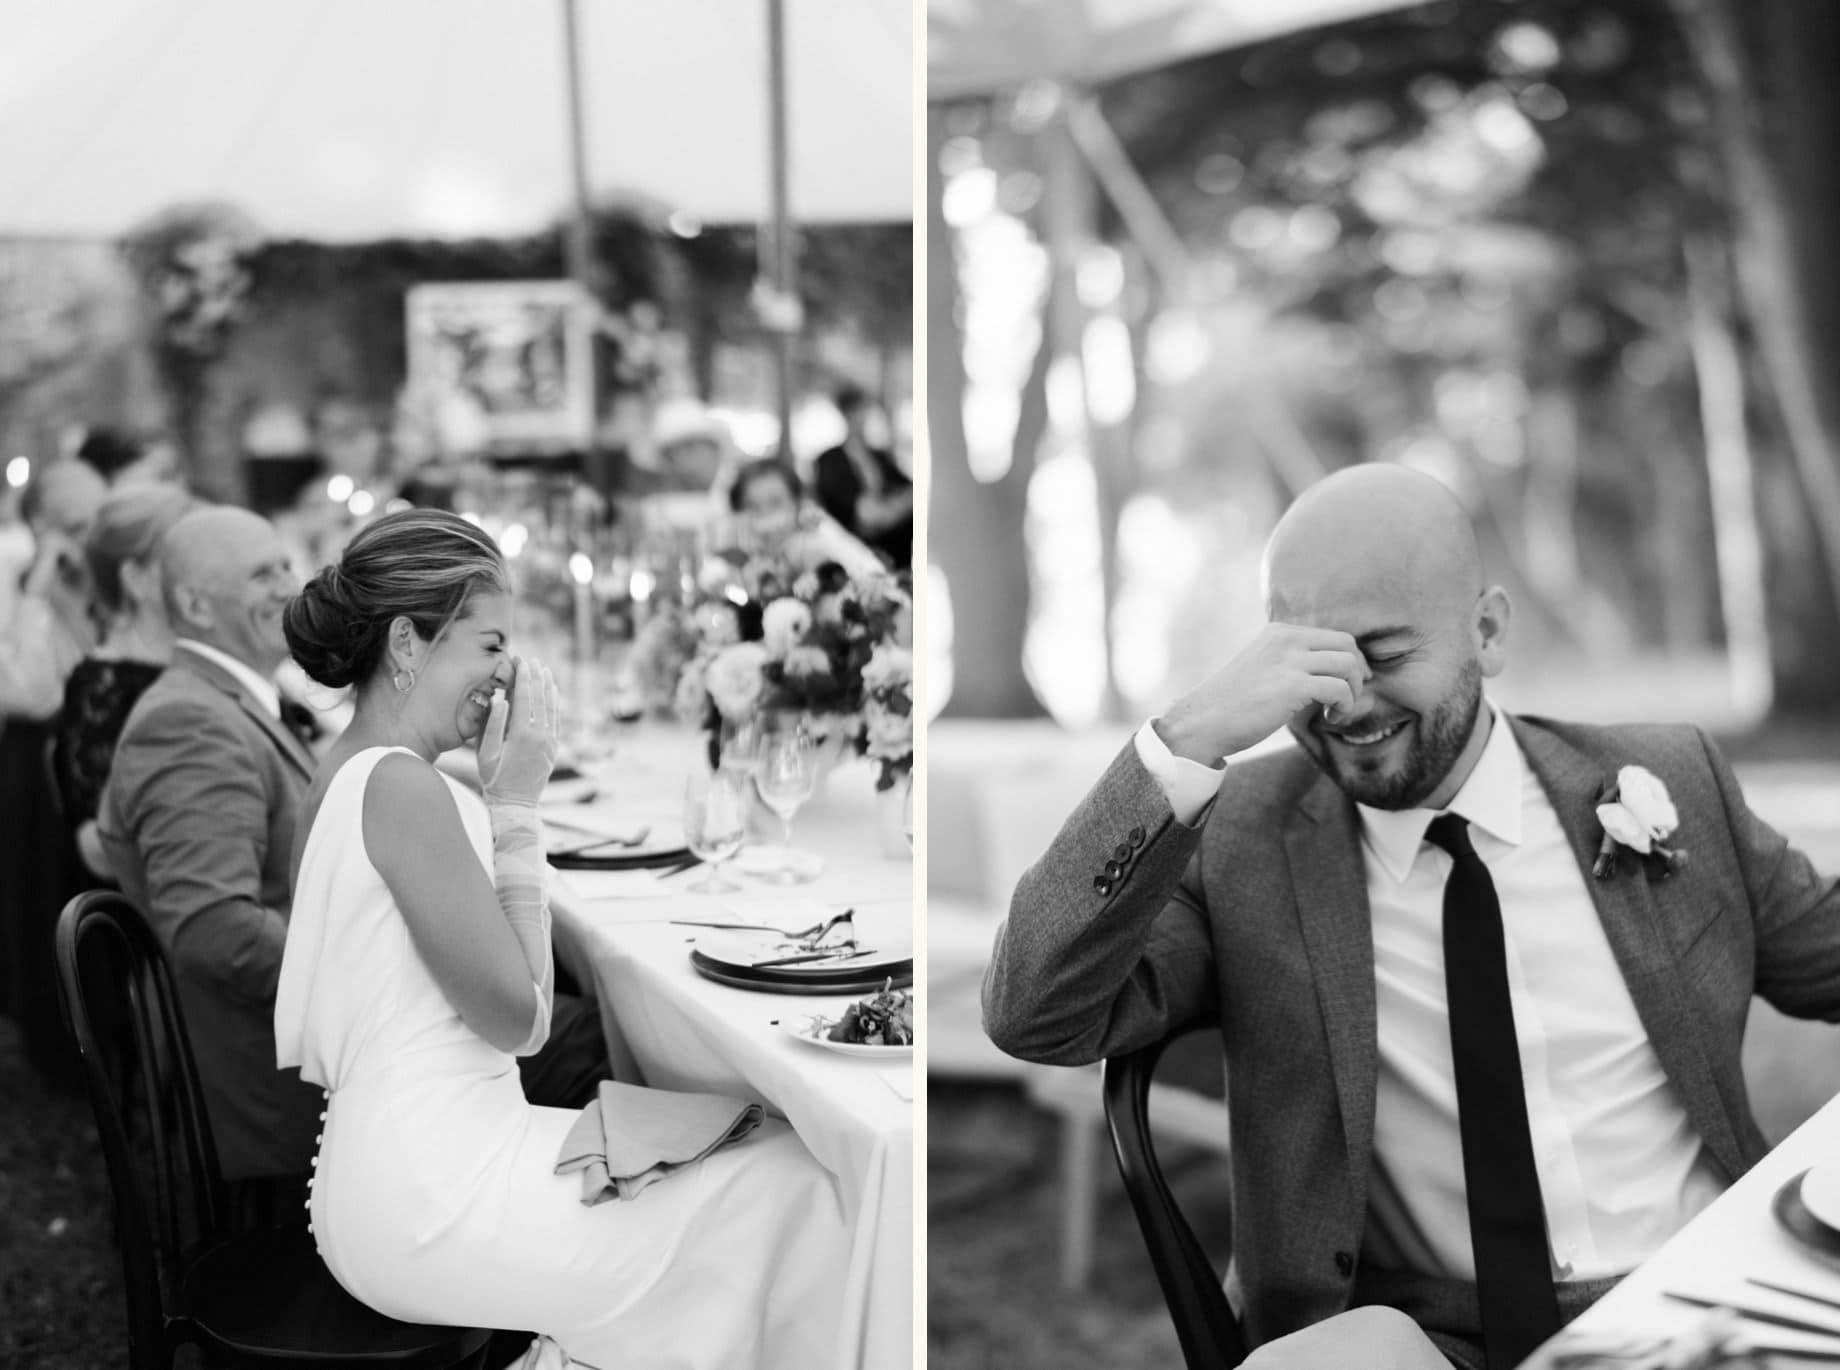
column 1320, row 904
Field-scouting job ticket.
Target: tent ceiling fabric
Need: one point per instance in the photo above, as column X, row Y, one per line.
column 353, row 119
column 984, row 47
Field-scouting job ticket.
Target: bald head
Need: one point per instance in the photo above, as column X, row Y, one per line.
column 1387, row 556
column 1375, row 533
column 228, row 577
column 64, row 498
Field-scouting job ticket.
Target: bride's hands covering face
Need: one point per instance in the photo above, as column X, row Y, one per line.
column 522, row 732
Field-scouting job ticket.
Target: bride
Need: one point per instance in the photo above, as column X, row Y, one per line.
column 418, row 966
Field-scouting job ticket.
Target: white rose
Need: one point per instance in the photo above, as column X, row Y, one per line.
column 807, row 661
column 888, row 665
column 734, row 681
column 783, row 624
column 1640, row 792
column 1624, row 826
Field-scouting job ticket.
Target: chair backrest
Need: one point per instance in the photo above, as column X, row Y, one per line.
column 1209, row 1333
column 122, row 1007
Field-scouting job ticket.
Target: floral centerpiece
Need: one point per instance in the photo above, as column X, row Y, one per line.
column 834, row 650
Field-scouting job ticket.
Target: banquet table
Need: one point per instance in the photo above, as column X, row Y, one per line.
column 671, row 1028
column 1737, row 1237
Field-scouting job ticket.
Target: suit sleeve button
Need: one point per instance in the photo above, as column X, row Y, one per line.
column 1138, row 836
column 1121, row 852
column 1344, row 1264
column 1103, row 885
column 1113, row 870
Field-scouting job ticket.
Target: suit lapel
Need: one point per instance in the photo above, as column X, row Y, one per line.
column 1626, row 908
column 1328, row 873
column 213, row 674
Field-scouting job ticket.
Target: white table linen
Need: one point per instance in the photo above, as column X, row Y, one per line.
column 678, row 1030
column 1736, row 1237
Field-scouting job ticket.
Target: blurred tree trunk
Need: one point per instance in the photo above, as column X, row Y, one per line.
column 1769, row 69
column 1719, row 369
column 974, row 530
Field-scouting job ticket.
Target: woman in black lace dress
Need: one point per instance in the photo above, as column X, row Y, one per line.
column 136, row 645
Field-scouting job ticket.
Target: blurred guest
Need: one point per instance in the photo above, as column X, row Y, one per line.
column 123, row 459
column 773, row 519
column 49, row 630
column 47, row 633
column 861, row 487
column 136, row 645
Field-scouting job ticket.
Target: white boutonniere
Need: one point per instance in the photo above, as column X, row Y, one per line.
column 1638, row 815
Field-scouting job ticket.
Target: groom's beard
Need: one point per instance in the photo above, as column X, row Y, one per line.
column 1437, row 740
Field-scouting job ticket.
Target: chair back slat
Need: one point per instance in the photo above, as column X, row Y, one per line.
column 1209, row 1334
column 160, row 1157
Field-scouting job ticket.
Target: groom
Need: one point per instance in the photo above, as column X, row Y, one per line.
column 1469, row 1082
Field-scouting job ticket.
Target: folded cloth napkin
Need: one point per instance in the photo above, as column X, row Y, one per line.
column 630, row 1136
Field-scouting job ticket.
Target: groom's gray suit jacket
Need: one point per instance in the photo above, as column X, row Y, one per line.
column 1133, row 926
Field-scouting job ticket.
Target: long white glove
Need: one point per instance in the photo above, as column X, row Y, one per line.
column 516, row 752
column 518, row 871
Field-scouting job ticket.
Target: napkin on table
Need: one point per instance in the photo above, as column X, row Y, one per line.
column 629, row 1137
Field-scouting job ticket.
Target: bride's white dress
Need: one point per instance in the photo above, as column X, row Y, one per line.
column 435, row 1197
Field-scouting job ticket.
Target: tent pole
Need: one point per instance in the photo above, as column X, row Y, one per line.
column 579, row 243
column 776, row 260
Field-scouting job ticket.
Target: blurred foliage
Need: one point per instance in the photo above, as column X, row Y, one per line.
column 1460, row 236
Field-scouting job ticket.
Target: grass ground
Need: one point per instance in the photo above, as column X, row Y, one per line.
column 60, row 1280
column 993, row 1208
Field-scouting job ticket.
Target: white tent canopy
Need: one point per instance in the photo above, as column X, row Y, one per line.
column 981, row 47
column 355, row 119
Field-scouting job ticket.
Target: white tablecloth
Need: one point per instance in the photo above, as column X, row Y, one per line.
column 1737, row 1236
column 684, row 1032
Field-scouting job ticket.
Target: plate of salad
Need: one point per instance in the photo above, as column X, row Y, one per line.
column 881, row 1025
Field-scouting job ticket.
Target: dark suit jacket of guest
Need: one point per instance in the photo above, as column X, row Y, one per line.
column 838, row 486
column 198, row 820
column 1133, row 925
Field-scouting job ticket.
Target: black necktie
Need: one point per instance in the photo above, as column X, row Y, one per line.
column 1507, row 1221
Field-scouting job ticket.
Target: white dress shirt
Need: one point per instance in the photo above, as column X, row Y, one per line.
column 1620, row 1167
column 267, row 693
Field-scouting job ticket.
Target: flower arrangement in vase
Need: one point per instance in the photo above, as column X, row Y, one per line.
column 816, row 644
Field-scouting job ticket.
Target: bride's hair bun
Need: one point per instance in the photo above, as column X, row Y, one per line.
column 419, row 564
column 330, row 638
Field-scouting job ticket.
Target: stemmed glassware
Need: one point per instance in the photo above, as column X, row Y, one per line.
column 715, row 823
column 786, row 773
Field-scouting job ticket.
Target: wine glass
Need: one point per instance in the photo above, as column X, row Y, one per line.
column 786, row 773
column 715, row 824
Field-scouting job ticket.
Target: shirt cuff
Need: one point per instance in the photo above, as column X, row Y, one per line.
column 1189, row 786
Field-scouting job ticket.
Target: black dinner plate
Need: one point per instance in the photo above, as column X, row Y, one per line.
column 632, row 861
column 1817, row 1238
column 761, row 982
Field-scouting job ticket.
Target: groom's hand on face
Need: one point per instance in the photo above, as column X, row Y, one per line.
column 1284, row 669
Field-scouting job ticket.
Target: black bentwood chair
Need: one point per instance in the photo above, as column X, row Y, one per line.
column 251, row 1299
column 1209, row 1333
